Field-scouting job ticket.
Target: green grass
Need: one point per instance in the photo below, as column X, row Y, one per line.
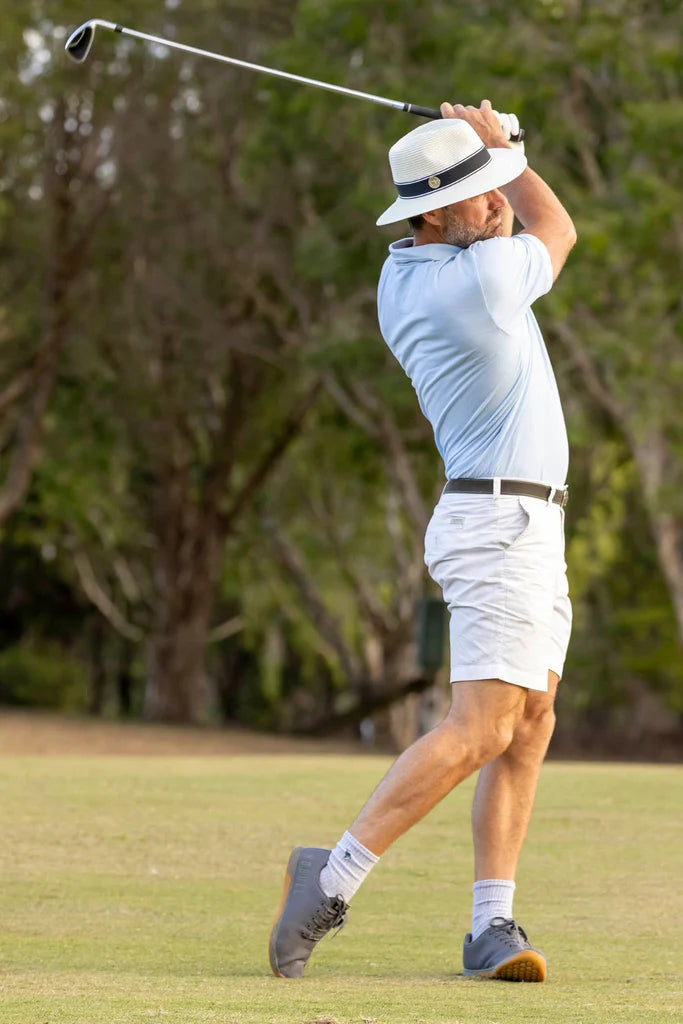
column 137, row 890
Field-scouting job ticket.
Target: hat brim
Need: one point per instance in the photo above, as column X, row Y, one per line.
column 505, row 165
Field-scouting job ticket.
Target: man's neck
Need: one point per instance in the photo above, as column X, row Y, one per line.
column 427, row 235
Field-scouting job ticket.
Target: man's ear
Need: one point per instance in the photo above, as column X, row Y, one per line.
column 434, row 217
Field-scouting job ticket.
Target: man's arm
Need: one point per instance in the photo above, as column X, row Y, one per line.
column 541, row 213
column 507, row 218
column 535, row 204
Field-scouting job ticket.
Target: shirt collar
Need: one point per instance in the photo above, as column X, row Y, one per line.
column 406, row 251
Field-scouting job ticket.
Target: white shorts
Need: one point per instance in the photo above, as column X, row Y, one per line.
column 500, row 563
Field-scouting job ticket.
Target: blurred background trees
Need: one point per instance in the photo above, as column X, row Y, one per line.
column 214, row 480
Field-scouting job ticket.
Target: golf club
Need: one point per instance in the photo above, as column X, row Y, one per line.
column 79, row 44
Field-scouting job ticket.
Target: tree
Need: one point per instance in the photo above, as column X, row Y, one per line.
column 224, row 367
column 57, row 203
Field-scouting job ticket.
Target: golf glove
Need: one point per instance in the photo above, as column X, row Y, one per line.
column 510, row 125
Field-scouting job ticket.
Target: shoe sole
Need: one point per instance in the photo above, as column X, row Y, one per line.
column 527, row 965
column 289, row 875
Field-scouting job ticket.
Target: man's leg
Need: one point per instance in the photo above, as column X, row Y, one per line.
column 501, row 811
column 480, row 724
column 506, row 789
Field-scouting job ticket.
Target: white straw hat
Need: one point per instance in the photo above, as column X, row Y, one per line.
column 443, row 162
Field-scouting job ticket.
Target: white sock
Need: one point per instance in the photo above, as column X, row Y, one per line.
column 492, row 898
column 347, row 868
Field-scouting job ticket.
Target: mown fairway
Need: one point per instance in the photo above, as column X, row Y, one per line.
column 142, row 889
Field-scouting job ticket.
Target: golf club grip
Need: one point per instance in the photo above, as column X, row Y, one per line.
column 435, row 115
column 413, row 108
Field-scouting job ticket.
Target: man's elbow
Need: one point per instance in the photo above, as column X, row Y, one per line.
column 558, row 234
column 567, row 231
column 562, row 245
column 571, row 234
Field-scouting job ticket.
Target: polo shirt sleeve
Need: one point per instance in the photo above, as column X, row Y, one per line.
column 512, row 273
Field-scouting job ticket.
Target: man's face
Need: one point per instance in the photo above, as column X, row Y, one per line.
column 472, row 220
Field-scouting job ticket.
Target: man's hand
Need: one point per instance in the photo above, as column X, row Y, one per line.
column 483, row 120
column 536, row 206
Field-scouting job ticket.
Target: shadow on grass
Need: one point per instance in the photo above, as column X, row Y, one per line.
column 337, row 975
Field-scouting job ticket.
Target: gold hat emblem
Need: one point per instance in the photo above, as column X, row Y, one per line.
column 434, row 182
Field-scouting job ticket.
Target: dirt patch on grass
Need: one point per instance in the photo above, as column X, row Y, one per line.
column 35, row 733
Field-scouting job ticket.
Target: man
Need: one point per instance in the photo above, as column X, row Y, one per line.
column 454, row 307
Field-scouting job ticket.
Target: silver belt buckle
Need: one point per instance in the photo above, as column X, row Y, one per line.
column 565, row 497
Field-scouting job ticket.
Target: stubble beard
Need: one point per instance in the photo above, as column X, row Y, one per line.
column 460, row 233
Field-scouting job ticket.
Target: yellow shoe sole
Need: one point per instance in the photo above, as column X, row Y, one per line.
column 527, row 965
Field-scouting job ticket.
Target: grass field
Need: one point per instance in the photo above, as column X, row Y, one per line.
column 138, row 889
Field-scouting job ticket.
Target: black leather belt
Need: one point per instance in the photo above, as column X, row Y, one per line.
column 472, row 485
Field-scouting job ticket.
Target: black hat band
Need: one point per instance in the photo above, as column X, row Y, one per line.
column 452, row 175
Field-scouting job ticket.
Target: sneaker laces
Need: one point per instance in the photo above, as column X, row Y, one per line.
column 330, row 913
column 515, row 934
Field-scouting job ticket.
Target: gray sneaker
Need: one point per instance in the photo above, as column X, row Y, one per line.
column 504, row 952
column 305, row 914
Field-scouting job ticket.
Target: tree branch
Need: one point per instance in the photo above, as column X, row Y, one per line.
column 228, row 628
column 291, row 560
column 290, row 430
column 15, row 389
column 369, row 604
column 390, row 437
column 27, row 447
column 590, row 374
column 96, row 593
column 368, row 705
column 346, row 403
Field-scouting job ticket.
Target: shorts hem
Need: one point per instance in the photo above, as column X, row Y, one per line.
column 532, row 680
column 559, row 672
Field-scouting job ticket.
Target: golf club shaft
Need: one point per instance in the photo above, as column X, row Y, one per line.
column 396, row 104
column 80, row 41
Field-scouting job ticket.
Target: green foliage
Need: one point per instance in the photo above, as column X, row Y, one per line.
column 42, row 676
column 230, row 216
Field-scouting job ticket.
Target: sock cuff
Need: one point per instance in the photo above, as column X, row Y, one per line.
column 493, row 886
column 358, row 849
column 493, row 898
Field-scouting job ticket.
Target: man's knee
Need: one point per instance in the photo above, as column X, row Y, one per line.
column 497, row 739
column 535, row 728
column 485, row 727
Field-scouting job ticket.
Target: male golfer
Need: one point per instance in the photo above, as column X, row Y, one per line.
column 455, row 309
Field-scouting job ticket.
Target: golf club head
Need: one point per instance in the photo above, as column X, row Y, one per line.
column 79, row 43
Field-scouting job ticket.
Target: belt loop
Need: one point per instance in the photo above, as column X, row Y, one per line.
column 496, row 487
column 551, row 495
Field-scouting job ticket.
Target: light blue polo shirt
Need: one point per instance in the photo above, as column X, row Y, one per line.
column 459, row 321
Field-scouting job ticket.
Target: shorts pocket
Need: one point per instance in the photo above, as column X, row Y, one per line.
column 514, row 521
column 441, row 528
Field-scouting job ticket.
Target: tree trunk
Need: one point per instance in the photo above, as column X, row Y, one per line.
column 177, row 688
column 62, row 270
column 65, row 248
column 657, row 463
column 669, row 536
column 658, row 468
column 177, row 685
